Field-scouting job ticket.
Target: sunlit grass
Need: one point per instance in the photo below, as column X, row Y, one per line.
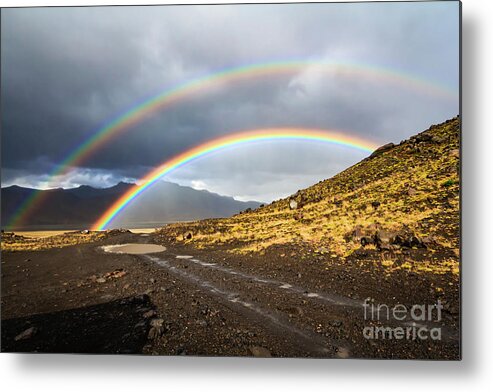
column 408, row 187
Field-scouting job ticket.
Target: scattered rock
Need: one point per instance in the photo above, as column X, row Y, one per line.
column 293, row 204
column 157, row 328
column 294, row 311
column 428, row 240
column 453, row 309
column 384, row 239
column 116, row 274
column 188, row 235
column 149, row 314
column 382, row 149
column 181, row 351
column 398, row 239
column 140, row 325
column 342, row 352
column 117, row 231
column 366, row 240
column 355, row 234
column 335, row 323
column 205, row 310
column 153, row 333
column 422, row 137
column 414, row 242
column 27, row 334
column 157, row 322
column 438, row 140
column 260, row 352
column 202, row 323
column 141, row 299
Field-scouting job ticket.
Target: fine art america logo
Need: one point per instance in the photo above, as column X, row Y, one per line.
column 408, row 323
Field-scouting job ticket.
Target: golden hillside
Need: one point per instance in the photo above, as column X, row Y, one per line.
column 402, row 197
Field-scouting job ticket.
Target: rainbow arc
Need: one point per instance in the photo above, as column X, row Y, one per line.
column 144, row 109
column 205, row 149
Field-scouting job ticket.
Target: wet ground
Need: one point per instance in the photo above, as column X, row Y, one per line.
column 129, row 295
column 134, row 249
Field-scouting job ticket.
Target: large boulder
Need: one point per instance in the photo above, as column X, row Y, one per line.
column 188, row 235
column 293, row 204
column 384, row 239
column 382, row 149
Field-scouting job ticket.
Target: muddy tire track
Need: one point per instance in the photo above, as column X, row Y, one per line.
column 316, row 309
column 305, row 338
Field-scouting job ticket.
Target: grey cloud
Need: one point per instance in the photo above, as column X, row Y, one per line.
column 67, row 71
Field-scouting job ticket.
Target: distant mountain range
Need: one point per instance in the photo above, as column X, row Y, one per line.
column 78, row 208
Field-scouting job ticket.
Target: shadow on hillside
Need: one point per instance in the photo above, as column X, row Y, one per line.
column 108, row 328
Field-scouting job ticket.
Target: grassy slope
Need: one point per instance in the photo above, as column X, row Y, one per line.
column 415, row 182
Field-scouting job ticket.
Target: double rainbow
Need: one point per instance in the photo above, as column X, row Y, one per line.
column 170, row 96
column 222, row 143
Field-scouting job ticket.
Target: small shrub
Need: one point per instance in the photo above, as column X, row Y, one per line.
column 449, row 183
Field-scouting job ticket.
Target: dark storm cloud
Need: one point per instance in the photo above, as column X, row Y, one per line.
column 65, row 72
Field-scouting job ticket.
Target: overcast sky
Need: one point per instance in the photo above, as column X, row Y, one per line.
column 66, row 71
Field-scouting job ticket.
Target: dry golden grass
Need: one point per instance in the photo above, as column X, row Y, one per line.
column 41, row 233
column 20, row 243
column 443, row 267
column 416, row 184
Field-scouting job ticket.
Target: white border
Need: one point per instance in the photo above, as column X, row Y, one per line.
column 88, row 373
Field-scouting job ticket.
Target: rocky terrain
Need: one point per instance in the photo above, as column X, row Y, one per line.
column 286, row 279
column 399, row 192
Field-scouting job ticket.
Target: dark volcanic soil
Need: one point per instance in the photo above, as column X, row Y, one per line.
column 81, row 299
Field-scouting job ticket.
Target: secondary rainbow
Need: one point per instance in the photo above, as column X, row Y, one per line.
column 146, row 108
column 333, row 137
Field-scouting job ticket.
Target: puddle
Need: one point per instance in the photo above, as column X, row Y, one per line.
column 134, row 249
